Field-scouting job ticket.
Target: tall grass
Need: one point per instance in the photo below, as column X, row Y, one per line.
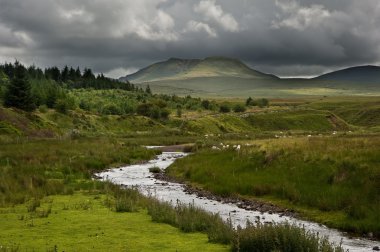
column 327, row 174
column 285, row 238
column 190, row 218
column 263, row 237
column 34, row 169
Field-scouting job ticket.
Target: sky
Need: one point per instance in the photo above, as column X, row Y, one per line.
column 117, row 37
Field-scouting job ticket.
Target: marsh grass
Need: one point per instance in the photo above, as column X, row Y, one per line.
column 31, row 170
column 190, row 218
column 285, row 238
column 328, row 174
column 263, row 237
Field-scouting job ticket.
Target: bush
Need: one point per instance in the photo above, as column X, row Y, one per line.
column 165, row 114
column 205, row 104
column 111, row 109
column 239, row 108
column 224, row 108
column 63, row 105
column 263, row 103
column 155, row 170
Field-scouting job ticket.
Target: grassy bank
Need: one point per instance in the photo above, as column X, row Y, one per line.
column 330, row 179
column 38, row 168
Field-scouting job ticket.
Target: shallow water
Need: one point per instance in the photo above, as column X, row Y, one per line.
column 140, row 177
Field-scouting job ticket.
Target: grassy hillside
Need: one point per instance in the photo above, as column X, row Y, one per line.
column 366, row 74
column 180, row 69
column 310, row 116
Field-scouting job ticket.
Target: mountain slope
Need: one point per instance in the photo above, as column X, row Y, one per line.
column 161, row 70
column 180, row 69
column 226, row 77
column 363, row 74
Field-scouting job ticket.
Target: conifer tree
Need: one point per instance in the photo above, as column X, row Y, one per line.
column 19, row 93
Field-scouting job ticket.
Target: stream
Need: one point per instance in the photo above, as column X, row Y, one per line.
column 139, row 176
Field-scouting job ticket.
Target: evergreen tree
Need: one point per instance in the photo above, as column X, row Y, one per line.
column 65, row 74
column 148, row 90
column 88, row 75
column 78, row 73
column 19, row 93
column 72, row 74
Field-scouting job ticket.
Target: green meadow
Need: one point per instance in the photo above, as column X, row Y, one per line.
column 49, row 201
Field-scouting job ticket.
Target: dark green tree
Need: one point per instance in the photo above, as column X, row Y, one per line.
column 205, row 104
column 248, row 102
column 78, row 73
column 88, row 75
column 148, row 90
column 224, row 108
column 65, row 74
column 19, row 93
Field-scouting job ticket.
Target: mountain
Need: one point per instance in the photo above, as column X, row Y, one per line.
column 181, row 69
column 366, row 74
column 227, row 77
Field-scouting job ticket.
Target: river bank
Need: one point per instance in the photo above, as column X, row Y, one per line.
column 138, row 176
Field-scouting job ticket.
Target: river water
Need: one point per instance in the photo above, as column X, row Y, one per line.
column 139, row 176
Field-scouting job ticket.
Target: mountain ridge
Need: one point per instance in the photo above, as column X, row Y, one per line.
column 229, row 77
column 177, row 69
column 364, row 73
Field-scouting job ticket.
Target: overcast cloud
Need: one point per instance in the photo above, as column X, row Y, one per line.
column 116, row 37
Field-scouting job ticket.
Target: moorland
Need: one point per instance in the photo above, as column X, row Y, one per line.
column 315, row 154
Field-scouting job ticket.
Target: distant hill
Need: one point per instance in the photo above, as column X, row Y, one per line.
column 366, row 74
column 180, row 69
column 228, row 77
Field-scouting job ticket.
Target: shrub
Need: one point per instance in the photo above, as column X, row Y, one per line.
column 111, row 109
column 239, row 108
column 263, row 103
column 224, row 108
column 155, row 170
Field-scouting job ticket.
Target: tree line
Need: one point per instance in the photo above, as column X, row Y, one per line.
column 29, row 87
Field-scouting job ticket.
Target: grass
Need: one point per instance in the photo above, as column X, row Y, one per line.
column 287, row 238
column 335, row 176
column 34, row 169
column 81, row 222
column 47, row 195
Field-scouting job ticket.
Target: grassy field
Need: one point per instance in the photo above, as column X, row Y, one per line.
column 81, row 222
column 47, row 160
column 49, row 202
column 333, row 180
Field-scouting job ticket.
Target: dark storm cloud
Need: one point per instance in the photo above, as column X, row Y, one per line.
column 285, row 37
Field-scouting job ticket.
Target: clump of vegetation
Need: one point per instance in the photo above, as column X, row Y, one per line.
column 263, row 102
column 239, row 108
column 225, row 108
column 155, row 170
column 287, row 238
